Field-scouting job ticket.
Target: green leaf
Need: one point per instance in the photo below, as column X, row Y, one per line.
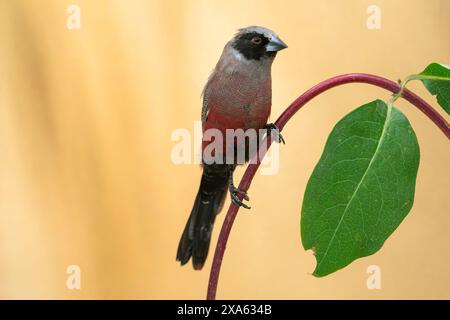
column 362, row 188
column 436, row 78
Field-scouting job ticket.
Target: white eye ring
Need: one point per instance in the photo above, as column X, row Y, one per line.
column 256, row 40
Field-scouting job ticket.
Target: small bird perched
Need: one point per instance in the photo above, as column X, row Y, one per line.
column 238, row 95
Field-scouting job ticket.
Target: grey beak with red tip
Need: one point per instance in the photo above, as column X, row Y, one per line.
column 275, row 44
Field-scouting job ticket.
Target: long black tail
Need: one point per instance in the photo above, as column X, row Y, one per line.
column 196, row 236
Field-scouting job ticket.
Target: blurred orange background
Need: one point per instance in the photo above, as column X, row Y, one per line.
column 86, row 118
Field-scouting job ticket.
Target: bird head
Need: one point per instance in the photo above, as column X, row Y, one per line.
column 256, row 43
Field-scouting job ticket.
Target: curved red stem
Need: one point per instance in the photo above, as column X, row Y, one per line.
column 244, row 185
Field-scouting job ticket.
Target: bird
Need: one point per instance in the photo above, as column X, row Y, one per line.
column 237, row 95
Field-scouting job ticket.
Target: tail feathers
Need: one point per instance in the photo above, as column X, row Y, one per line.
column 184, row 252
column 196, row 236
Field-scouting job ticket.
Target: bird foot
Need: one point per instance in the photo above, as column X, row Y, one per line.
column 235, row 192
column 275, row 133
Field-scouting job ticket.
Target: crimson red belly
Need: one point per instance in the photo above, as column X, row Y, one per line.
column 221, row 121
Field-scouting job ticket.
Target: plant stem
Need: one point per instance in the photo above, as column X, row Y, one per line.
column 247, row 178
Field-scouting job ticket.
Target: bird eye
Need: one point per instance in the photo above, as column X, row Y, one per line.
column 256, row 40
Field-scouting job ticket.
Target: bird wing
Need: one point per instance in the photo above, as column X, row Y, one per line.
column 205, row 95
column 205, row 109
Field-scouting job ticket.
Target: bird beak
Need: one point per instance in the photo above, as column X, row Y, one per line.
column 276, row 44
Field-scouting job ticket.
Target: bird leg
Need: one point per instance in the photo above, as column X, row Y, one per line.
column 275, row 133
column 235, row 192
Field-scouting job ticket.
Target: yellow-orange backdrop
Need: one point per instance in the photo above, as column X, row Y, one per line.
column 85, row 123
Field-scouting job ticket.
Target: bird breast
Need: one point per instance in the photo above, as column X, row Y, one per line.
column 239, row 98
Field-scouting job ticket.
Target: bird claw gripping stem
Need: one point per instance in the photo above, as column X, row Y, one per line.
column 235, row 192
column 275, row 133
